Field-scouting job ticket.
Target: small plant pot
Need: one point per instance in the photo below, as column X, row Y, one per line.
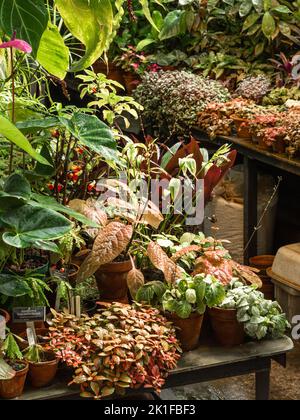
column 72, row 274
column 262, row 262
column 242, row 127
column 227, row 330
column 13, row 388
column 187, row 330
column 112, row 281
column 42, row 374
column 5, row 314
column 131, row 81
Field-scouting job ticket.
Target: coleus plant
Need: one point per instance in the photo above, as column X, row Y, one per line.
column 119, row 348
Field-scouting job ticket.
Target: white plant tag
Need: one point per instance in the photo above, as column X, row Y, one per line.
column 31, row 336
column 2, row 328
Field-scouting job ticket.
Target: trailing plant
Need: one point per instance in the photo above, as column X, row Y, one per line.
column 261, row 318
column 121, row 347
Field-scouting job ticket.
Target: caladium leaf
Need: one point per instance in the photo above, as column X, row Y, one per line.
column 91, row 22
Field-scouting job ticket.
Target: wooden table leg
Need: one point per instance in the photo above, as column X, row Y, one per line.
column 262, row 385
column 250, row 208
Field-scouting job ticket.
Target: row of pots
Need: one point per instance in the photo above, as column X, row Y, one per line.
column 39, row 374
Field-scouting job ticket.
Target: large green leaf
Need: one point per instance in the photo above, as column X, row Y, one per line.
column 92, row 133
column 11, row 132
column 91, row 22
column 27, row 17
column 38, row 124
column 172, row 25
column 50, row 203
column 147, row 13
column 268, row 25
column 29, row 223
column 12, row 285
column 53, row 54
column 17, row 186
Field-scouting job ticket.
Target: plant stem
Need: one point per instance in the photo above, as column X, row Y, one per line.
column 11, row 157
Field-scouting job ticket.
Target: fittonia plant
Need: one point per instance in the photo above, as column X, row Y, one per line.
column 261, row 318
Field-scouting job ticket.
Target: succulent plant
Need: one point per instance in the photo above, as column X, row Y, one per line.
column 120, row 347
column 172, row 100
column 254, row 87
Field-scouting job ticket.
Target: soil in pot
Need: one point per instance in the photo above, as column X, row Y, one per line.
column 14, row 387
column 42, row 374
column 112, row 281
column 187, row 330
column 227, row 330
column 33, row 263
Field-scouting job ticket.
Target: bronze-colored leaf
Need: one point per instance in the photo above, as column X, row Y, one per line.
column 109, row 244
column 91, row 210
column 160, row 260
column 184, row 251
column 135, row 280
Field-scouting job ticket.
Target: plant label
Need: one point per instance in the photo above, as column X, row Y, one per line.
column 2, row 328
column 33, row 314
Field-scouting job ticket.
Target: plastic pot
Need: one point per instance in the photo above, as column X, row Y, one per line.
column 227, row 330
column 187, row 330
column 14, row 387
column 112, row 281
column 42, row 374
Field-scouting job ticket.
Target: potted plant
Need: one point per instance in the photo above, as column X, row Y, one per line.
column 13, row 370
column 245, row 312
column 119, row 348
column 274, row 137
column 261, row 122
column 42, row 365
column 182, row 298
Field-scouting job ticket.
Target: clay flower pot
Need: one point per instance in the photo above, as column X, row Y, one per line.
column 131, row 81
column 42, row 373
column 242, row 127
column 112, row 281
column 187, row 330
column 262, row 262
column 5, row 314
column 227, row 330
column 14, row 387
column 40, row 332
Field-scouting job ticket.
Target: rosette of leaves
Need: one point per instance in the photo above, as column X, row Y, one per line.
column 254, row 87
column 261, row 318
column 121, row 347
column 172, row 100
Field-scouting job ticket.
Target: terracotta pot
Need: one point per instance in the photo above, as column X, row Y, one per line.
column 227, row 330
column 41, row 374
column 13, row 388
column 188, row 330
column 279, row 145
column 242, row 128
column 5, row 314
column 262, row 144
column 131, row 81
column 19, row 328
column 262, row 262
column 112, row 281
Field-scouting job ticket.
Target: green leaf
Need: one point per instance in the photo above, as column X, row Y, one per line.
column 282, row 9
column 250, row 21
column 17, row 186
column 53, row 54
column 91, row 22
column 144, row 43
column 172, row 25
column 92, row 133
column 29, row 224
column 28, row 18
column 258, row 5
column 147, row 13
column 268, row 25
column 259, row 49
column 245, row 8
column 13, row 286
column 184, row 309
column 38, row 124
column 50, row 203
column 45, row 170
column 6, row 372
column 10, row 131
